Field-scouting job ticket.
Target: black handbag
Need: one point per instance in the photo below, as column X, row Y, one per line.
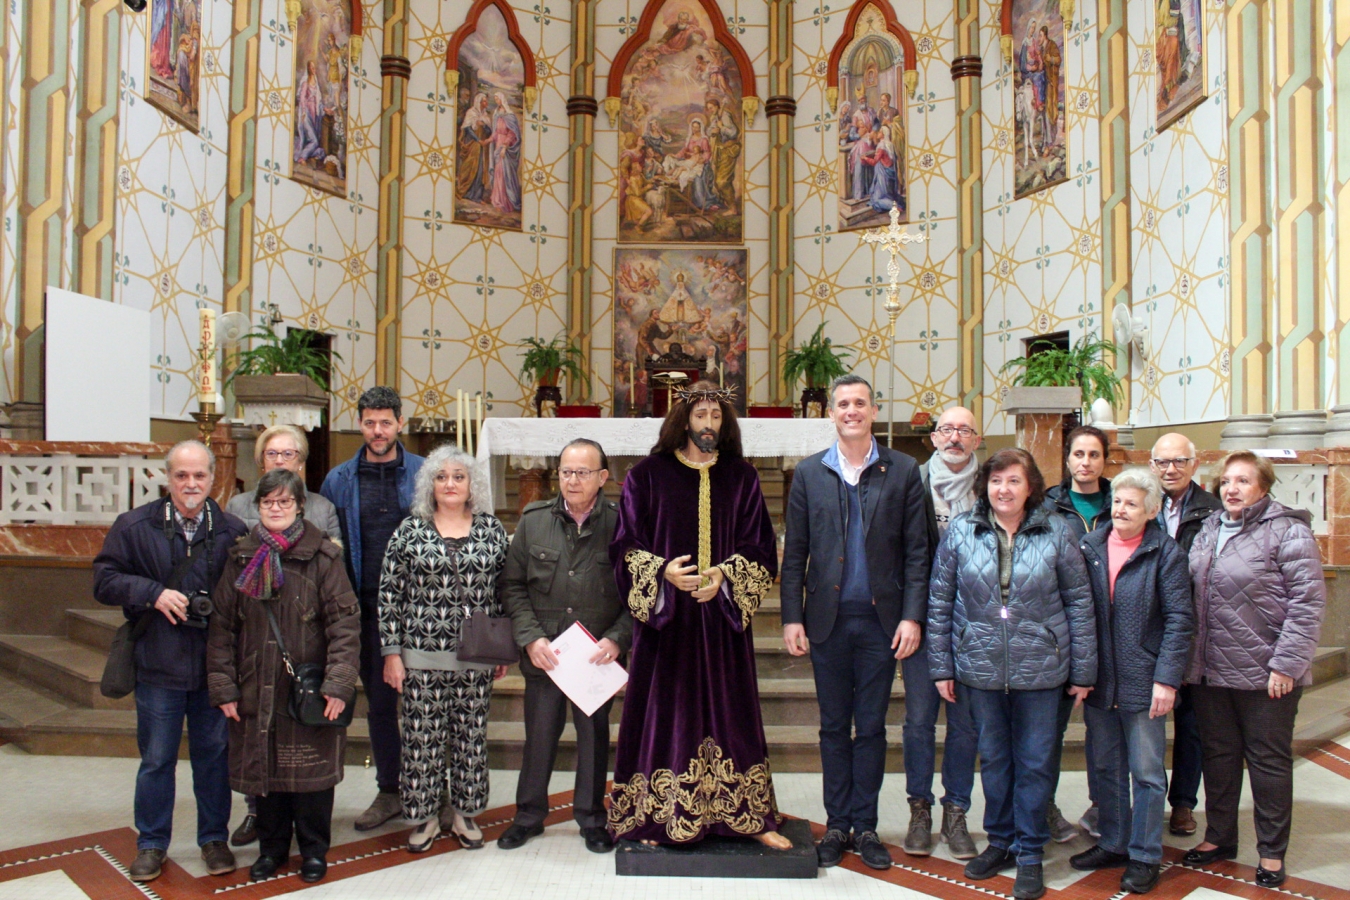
column 486, row 639
column 119, row 672
column 307, row 700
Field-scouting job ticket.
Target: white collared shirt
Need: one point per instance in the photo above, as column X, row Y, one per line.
column 851, row 473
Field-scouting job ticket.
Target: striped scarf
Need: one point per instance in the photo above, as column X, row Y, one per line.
column 262, row 576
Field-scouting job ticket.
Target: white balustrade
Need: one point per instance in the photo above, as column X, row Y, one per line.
column 66, row 489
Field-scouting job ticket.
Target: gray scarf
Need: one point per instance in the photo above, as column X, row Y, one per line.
column 955, row 489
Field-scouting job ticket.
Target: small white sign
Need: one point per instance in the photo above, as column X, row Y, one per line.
column 1277, row 454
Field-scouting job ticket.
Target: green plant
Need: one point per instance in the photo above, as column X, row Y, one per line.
column 816, row 361
column 1080, row 367
column 543, row 361
column 292, row 354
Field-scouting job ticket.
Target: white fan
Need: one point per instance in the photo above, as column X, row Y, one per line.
column 1130, row 329
column 231, row 329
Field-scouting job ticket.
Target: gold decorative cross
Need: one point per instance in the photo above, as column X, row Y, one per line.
column 892, row 239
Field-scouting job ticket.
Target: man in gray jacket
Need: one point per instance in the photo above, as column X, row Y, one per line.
column 558, row 573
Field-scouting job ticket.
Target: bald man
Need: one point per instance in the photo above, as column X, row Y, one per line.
column 949, row 490
column 1185, row 508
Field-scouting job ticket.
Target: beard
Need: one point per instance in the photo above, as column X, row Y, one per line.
column 705, row 440
column 954, row 457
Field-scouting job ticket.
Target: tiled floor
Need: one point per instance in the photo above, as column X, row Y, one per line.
column 65, row 835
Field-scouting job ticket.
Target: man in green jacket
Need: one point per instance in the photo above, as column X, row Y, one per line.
column 557, row 573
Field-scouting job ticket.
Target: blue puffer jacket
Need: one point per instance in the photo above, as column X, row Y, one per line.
column 1145, row 633
column 1044, row 637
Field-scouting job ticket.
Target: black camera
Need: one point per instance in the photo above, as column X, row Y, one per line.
column 199, row 609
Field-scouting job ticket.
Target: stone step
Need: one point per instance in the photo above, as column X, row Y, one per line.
column 69, row 669
column 94, row 627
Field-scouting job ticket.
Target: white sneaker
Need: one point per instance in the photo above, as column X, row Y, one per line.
column 424, row 835
column 467, row 830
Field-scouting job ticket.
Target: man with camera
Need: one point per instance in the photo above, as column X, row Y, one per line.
column 162, row 560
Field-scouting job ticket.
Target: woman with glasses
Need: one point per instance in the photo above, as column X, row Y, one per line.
column 284, row 577
column 442, row 563
column 280, row 447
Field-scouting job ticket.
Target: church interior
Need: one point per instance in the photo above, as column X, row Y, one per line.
column 535, row 220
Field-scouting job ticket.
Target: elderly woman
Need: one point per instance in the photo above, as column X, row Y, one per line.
column 442, row 563
column 285, row 447
column 279, row 447
column 284, row 576
column 1010, row 622
column 1259, row 600
column 1142, row 590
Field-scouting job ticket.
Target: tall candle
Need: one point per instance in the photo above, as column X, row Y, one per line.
column 207, row 373
column 459, row 419
column 479, row 399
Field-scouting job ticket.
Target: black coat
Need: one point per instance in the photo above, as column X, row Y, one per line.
column 138, row 556
column 895, row 527
column 1200, row 503
column 1059, row 501
column 1145, row 634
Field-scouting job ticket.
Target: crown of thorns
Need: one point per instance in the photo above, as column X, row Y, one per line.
column 721, row 395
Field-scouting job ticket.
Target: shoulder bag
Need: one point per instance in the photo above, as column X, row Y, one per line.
column 307, row 700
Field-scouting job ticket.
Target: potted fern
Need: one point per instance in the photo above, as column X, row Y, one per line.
column 281, row 380
column 1054, row 379
column 544, row 362
column 817, row 362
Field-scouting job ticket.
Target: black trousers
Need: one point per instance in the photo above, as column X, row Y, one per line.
column 1247, row 725
column 309, row 815
column 545, row 714
column 382, row 712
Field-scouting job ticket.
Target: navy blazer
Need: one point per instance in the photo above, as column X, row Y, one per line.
column 895, row 528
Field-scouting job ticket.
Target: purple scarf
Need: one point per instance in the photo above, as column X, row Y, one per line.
column 262, row 576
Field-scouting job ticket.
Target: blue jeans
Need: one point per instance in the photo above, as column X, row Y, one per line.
column 922, row 703
column 1130, row 746
column 1065, row 712
column 1017, row 732
column 854, row 670
column 1187, row 754
column 159, row 730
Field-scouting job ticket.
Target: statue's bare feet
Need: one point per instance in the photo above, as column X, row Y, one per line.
column 648, row 843
column 773, row 840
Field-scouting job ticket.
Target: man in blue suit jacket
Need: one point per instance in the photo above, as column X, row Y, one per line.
column 855, row 588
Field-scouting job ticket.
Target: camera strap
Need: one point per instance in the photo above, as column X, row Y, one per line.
column 181, row 570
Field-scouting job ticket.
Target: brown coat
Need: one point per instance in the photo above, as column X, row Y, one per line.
column 320, row 622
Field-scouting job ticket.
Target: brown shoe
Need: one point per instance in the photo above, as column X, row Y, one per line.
column 1183, row 822
column 385, row 807
column 147, row 865
column 919, row 838
column 219, row 857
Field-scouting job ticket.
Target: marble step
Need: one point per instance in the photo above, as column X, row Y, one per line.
column 71, row 670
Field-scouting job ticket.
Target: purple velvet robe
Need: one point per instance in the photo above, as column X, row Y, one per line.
column 691, row 757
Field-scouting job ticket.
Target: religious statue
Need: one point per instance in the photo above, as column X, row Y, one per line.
column 679, row 311
column 694, row 552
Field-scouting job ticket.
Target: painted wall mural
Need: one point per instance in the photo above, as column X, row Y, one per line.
column 173, row 77
column 1180, row 53
column 681, row 175
column 319, row 154
column 678, row 310
column 872, row 133
column 490, row 98
column 1038, row 95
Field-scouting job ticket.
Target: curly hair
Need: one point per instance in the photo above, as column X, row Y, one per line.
column 424, row 488
column 1006, row 459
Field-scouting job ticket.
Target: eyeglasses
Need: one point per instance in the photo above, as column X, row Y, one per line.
column 283, row 504
column 1180, row 462
column 948, row 430
column 583, row 474
column 286, row 455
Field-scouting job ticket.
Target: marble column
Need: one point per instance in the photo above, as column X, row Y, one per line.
column 967, row 69
column 394, row 73
column 96, row 147
column 781, row 109
column 1338, row 431
column 1249, row 224
column 1114, row 129
column 581, row 109
column 245, row 30
column 1300, row 172
column 1042, row 435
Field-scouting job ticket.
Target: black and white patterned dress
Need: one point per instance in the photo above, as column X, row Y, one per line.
column 428, row 587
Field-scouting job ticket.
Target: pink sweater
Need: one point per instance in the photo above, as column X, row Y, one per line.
column 1117, row 551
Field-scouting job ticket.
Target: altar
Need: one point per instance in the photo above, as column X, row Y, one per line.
column 529, row 443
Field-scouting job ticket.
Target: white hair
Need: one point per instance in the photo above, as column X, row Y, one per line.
column 424, row 488
column 1190, row 445
column 195, row 445
column 1144, row 481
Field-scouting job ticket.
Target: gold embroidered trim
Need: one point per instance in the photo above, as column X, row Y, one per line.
column 749, row 583
column 704, row 513
column 709, row 792
column 645, row 569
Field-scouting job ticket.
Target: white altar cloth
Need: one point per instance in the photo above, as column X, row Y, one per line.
column 530, row 442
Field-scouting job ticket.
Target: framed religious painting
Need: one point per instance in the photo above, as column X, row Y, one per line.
column 174, row 50
column 323, row 34
column 680, row 84
column 681, row 313
column 491, row 78
column 867, row 86
column 1040, row 145
column 1179, row 54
